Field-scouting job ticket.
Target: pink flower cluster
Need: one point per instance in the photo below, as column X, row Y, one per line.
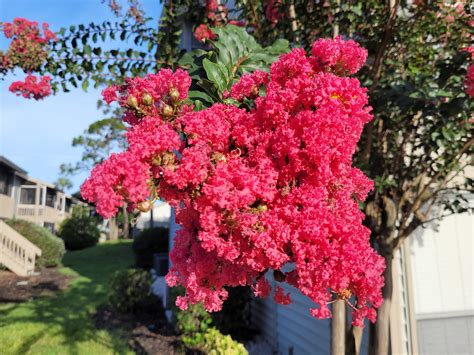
column 28, row 48
column 339, row 56
column 249, row 85
column 32, row 87
column 216, row 16
column 260, row 190
column 203, row 33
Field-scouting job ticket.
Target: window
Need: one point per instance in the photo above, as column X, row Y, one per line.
column 28, row 196
column 50, row 197
column 67, row 208
column 5, row 183
column 59, row 206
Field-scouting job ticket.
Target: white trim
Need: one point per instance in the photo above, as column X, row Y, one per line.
column 443, row 315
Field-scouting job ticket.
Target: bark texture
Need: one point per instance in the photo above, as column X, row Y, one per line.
column 338, row 328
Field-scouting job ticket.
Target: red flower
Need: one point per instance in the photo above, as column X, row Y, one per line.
column 32, row 87
column 204, row 33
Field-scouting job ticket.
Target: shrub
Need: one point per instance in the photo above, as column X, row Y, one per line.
column 192, row 323
column 197, row 331
column 79, row 231
column 52, row 248
column 149, row 242
column 216, row 343
column 130, row 292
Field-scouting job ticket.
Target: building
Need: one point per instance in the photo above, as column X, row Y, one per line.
column 31, row 199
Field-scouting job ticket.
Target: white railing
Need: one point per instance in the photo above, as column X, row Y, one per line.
column 16, row 252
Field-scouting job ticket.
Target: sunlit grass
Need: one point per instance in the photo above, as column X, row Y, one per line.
column 62, row 324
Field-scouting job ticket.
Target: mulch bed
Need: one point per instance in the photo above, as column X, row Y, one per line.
column 149, row 332
column 16, row 289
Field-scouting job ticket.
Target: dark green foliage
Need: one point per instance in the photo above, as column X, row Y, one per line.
column 234, row 318
column 130, row 292
column 52, row 248
column 149, row 242
column 234, row 53
column 79, row 231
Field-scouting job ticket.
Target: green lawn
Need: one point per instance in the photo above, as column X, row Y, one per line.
column 62, row 324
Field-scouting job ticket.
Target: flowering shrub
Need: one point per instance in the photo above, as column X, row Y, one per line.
column 28, row 46
column 28, row 50
column 261, row 181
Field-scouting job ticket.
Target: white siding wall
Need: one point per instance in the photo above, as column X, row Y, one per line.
column 291, row 329
column 443, row 279
column 443, row 274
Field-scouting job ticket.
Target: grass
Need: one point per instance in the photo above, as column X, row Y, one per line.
column 62, row 324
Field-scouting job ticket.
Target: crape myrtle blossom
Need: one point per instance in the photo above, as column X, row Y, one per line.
column 32, row 87
column 265, row 189
column 27, row 50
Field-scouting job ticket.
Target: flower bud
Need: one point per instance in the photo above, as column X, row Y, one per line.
column 147, row 99
column 167, row 158
column 217, row 157
column 262, row 208
column 156, row 160
column 174, row 95
column 145, row 206
column 132, row 101
column 166, row 110
column 254, row 92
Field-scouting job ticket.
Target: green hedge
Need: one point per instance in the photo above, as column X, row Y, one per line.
column 149, row 242
column 52, row 247
column 130, row 292
column 79, row 231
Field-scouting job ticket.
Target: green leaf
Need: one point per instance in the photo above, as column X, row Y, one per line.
column 214, row 74
column 194, row 95
column 279, row 46
column 87, row 50
column 85, row 84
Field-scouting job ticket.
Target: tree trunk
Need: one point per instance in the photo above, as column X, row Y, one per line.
column 354, row 340
column 126, row 222
column 382, row 327
column 113, row 229
column 338, row 328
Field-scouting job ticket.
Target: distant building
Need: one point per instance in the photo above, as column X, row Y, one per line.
column 24, row 197
column 158, row 217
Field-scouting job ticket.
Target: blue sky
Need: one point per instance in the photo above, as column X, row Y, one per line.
column 37, row 135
